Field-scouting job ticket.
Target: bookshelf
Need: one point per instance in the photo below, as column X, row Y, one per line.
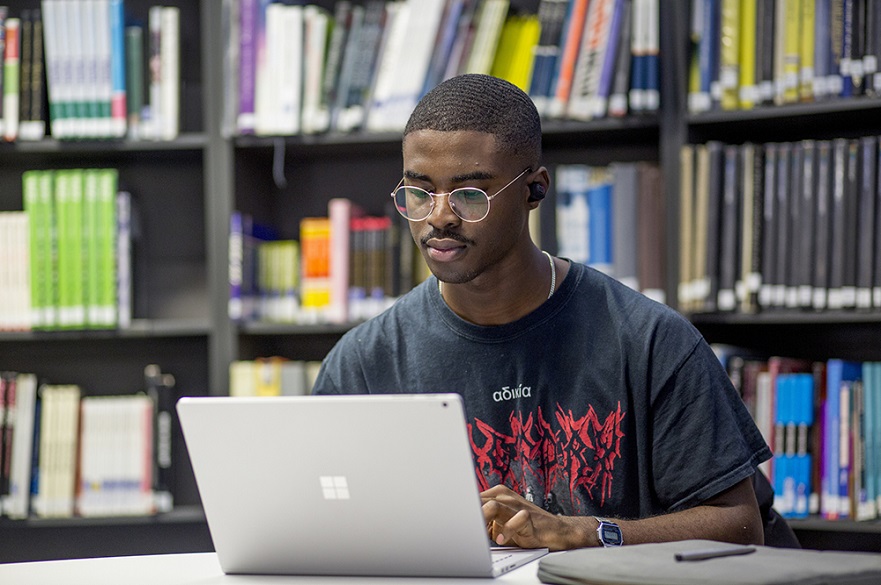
column 189, row 187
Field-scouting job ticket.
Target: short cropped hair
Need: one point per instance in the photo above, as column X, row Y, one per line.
column 482, row 103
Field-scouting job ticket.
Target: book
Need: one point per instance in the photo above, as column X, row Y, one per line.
column 315, row 284
column 865, row 227
column 32, row 123
column 134, row 79
column 806, row 50
column 876, row 270
column 160, row 388
column 752, row 238
column 115, row 462
column 249, row 16
column 619, row 97
column 340, row 212
column 117, row 68
column 822, row 49
column 591, row 58
column 700, row 284
column 838, row 233
column 685, row 288
column 765, row 27
column 851, row 210
column 169, row 79
column 58, row 446
column 572, row 212
column 490, row 20
column 352, row 106
column 125, row 233
column 872, row 50
column 839, row 374
column 599, row 222
column 715, row 186
column 16, row 503
column 822, row 225
column 769, row 229
column 650, row 12
column 729, row 210
column 805, row 226
column 729, row 54
column 513, row 56
column 11, row 74
column 782, row 222
column 552, row 19
column 394, row 100
column 317, row 27
column 625, row 215
column 748, row 88
column 570, row 44
column 651, row 238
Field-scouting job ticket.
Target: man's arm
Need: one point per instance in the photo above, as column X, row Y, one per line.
column 731, row 516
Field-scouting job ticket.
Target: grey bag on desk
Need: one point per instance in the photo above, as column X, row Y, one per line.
column 656, row 564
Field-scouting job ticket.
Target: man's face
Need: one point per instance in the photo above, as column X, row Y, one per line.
column 458, row 251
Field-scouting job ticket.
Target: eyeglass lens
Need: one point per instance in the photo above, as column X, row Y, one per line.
column 416, row 204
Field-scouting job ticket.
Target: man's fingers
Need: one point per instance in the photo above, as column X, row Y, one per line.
column 518, row 529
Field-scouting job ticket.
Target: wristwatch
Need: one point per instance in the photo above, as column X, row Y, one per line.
column 609, row 533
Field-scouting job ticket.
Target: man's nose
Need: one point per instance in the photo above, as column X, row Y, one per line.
column 442, row 213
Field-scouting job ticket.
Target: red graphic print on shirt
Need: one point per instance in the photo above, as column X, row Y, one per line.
column 564, row 458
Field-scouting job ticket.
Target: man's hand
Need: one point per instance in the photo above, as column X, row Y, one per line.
column 511, row 520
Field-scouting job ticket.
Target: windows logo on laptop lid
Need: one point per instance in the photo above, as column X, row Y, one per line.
column 379, row 485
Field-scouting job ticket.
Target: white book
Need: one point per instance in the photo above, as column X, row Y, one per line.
column 421, row 28
column 385, row 79
column 92, row 92
column 123, row 259
column 103, row 74
column 152, row 115
column 315, row 24
column 20, row 271
column 80, row 124
column 169, row 50
column 588, row 67
column 16, row 503
column 291, row 75
column 339, row 210
column 270, row 71
column 486, row 37
column 59, row 59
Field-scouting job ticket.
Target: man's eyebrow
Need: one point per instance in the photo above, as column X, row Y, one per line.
column 472, row 176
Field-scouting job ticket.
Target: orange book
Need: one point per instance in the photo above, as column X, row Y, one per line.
column 315, row 284
column 568, row 58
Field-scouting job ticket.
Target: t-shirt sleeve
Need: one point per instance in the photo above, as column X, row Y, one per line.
column 704, row 439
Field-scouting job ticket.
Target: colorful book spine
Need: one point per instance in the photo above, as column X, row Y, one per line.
column 11, row 75
column 118, row 98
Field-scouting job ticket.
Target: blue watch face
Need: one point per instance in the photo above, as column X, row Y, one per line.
column 610, row 535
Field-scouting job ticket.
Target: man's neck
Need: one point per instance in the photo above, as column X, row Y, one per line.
column 498, row 299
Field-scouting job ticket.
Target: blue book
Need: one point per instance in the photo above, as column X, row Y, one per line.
column 118, row 107
column 838, row 372
column 803, row 397
column 599, row 204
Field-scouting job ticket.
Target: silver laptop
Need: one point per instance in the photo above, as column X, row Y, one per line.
column 380, row 485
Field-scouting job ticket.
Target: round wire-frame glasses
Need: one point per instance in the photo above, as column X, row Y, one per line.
column 468, row 203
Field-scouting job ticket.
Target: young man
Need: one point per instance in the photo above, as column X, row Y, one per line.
column 595, row 415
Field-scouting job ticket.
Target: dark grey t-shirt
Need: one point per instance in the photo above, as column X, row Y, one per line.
column 598, row 402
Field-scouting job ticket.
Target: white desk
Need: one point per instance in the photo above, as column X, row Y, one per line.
column 200, row 569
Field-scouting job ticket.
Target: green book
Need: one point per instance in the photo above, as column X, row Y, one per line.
column 49, row 251
column 106, row 247
column 71, row 267
column 31, row 202
column 91, row 255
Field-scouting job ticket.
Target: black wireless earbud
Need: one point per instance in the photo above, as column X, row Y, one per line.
column 536, row 192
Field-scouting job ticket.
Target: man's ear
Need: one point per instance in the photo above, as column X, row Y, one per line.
column 538, row 186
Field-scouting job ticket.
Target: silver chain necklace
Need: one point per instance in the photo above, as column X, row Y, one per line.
column 440, row 285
